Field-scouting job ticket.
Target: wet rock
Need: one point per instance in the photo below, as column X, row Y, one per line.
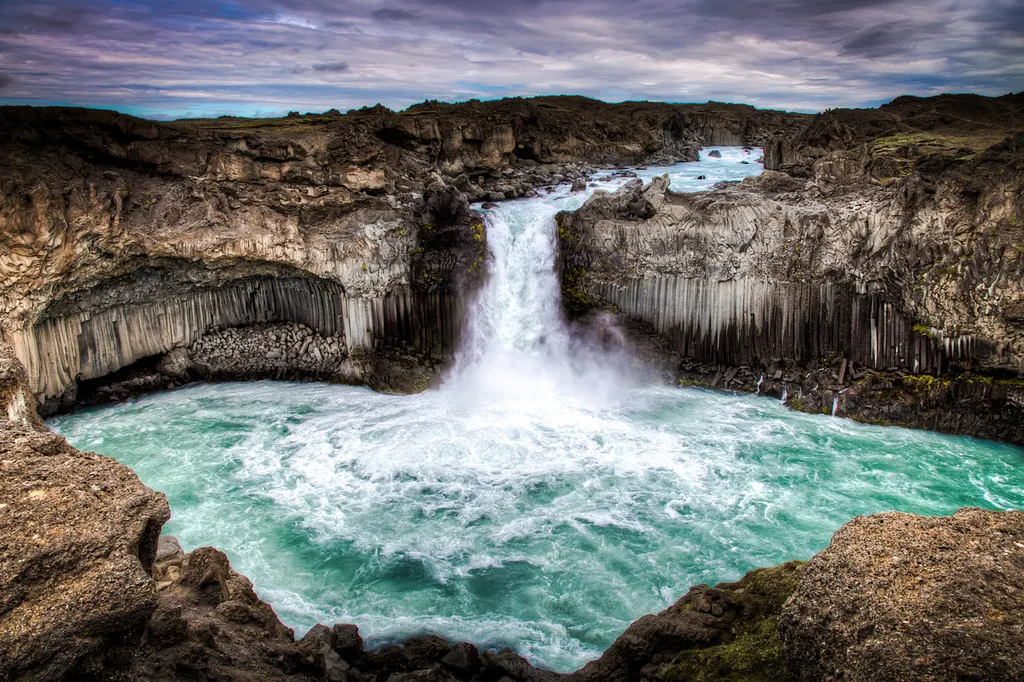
column 463, row 659
column 347, row 641
column 426, row 650
column 714, row 154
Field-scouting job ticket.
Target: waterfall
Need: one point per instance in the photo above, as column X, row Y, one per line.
column 517, row 348
column 516, row 316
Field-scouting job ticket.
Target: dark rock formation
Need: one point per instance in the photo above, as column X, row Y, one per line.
column 903, row 597
column 209, row 624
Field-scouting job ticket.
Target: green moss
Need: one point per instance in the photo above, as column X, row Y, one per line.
column 754, row 656
column 696, row 383
column 478, row 231
column 754, row 652
column 903, row 145
column 573, row 288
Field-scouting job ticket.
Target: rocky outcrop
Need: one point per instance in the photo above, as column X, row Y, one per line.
column 894, row 140
column 78, row 536
column 209, row 624
column 919, row 275
column 903, row 597
column 477, row 137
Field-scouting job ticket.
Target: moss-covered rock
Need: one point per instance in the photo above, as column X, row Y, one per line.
column 751, row 650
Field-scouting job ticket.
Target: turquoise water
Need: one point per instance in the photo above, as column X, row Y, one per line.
column 542, row 498
column 544, row 527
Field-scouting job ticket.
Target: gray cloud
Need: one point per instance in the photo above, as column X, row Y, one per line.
column 5, row 80
column 331, row 67
column 880, row 41
column 272, row 56
column 392, row 14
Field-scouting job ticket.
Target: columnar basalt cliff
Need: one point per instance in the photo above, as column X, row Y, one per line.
column 123, row 239
column 895, row 250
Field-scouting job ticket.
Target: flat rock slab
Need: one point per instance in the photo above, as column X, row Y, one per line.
column 903, row 597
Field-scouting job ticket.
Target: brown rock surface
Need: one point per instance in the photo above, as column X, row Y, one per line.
column 901, row 597
column 78, row 534
column 209, row 624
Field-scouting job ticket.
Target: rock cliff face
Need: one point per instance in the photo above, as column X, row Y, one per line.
column 78, row 536
column 123, row 239
column 880, row 255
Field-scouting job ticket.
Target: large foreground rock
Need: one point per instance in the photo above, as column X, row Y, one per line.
column 903, row 597
column 78, row 535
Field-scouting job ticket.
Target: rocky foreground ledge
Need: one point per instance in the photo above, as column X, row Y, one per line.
column 90, row 591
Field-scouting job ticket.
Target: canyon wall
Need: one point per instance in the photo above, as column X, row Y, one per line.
column 894, row 250
column 122, row 239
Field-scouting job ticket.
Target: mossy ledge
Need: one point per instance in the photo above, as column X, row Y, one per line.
column 752, row 650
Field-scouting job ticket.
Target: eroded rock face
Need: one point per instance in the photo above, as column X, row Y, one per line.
column 122, row 240
column 903, row 597
column 78, row 536
column 917, row 274
column 209, row 624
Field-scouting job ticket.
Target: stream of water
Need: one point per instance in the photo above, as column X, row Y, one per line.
column 540, row 499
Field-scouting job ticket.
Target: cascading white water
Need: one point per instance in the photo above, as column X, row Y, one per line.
column 514, row 337
column 517, row 348
column 538, row 499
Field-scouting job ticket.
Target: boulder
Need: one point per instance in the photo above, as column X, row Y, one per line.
column 78, row 537
column 903, row 597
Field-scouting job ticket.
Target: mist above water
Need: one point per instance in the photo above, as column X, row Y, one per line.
column 542, row 498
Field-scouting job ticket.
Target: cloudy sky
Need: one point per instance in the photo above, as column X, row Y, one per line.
column 172, row 58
